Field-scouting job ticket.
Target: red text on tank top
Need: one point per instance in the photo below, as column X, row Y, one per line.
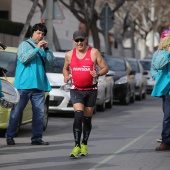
column 80, row 71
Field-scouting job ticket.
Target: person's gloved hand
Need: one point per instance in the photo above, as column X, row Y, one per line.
column 1, row 71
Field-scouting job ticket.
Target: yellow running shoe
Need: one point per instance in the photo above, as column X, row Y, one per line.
column 84, row 151
column 75, row 152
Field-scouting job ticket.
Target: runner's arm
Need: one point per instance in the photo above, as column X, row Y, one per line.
column 66, row 69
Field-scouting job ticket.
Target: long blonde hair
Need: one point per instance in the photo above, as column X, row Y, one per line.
column 164, row 43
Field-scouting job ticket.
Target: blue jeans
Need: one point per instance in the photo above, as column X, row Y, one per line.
column 37, row 98
column 166, row 119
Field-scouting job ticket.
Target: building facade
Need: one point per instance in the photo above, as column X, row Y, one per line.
column 17, row 11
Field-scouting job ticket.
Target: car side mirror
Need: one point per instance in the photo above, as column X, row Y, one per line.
column 145, row 73
column 3, row 46
column 132, row 72
column 110, row 73
column 2, row 71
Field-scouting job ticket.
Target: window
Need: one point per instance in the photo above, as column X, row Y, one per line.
column 115, row 64
column 146, row 65
column 57, row 67
column 134, row 66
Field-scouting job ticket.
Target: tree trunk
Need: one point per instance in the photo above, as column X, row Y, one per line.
column 95, row 34
column 27, row 23
column 119, row 40
column 132, row 40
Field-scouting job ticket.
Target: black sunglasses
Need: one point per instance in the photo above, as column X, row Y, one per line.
column 81, row 40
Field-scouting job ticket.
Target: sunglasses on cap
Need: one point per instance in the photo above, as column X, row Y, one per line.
column 79, row 40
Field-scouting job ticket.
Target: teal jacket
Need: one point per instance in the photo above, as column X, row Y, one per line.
column 30, row 73
column 1, row 94
column 160, row 71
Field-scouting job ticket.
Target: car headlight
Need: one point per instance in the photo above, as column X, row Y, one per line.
column 122, row 80
column 65, row 87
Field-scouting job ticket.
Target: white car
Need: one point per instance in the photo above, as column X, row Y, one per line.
column 60, row 93
column 59, row 99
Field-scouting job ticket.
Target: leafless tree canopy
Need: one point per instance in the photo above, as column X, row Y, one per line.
column 128, row 15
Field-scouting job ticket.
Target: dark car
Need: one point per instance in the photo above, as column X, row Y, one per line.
column 140, row 77
column 124, row 88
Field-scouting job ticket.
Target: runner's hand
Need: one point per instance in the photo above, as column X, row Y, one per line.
column 67, row 79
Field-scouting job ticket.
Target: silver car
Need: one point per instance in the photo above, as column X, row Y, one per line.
column 140, row 77
column 105, row 91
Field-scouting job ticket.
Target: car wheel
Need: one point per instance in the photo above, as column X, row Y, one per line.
column 2, row 132
column 110, row 103
column 95, row 108
column 133, row 98
column 144, row 95
column 139, row 97
column 102, row 107
column 45, row 115
column 126, row 99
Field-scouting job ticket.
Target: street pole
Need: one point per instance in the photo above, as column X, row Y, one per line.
column 152, row 19
column 49, row 23
column 106, row 24
column 106, row 29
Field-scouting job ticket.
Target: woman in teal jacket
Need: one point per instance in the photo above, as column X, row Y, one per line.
column 160, row 71
column 32, row 83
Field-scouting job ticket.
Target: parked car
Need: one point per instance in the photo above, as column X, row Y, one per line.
column 60, row 93
column 124, row 87
column 146, row 63
column 140, row 77
column 105, row 91
column 8, row 60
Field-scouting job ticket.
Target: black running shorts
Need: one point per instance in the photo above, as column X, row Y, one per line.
column 86, row 97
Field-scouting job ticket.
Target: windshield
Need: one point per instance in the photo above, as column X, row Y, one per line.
column 134, row 66
column 115, row 64
column 8, row 62
column 146, row 65
column 57, row 67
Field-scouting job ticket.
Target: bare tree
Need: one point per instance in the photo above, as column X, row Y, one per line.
column 28, row 20
column 86, row 13
column 138, row 14
column 115, row 5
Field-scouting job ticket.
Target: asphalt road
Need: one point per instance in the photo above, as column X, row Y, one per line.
column 122, row 138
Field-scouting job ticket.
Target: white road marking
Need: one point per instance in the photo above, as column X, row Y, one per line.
column 123, row 148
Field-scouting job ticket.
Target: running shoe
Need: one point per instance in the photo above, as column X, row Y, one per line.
column 84, row 151
column 75, row 152
column 159, row 140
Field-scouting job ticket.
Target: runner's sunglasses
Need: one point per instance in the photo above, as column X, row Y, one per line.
column 81, row 40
